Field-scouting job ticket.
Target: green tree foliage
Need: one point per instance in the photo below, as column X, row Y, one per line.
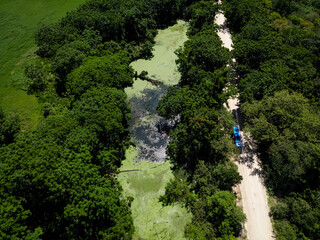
column 198, row 139
column 104, row 111
column 285, row 7
column 210, row 178
column 224, row 213
column 304, row 219
column 287, row 128
column 238, row 13
column 277, row 48
column 66, row 59
column 110, row 71
column 185, row 101
column 203, row 51
column 13, row 221
column 261, row 39
column 36, row 79
column 201, row 14
column 179, row 190
column 285, row 230
column 64, row 192
column 49, row 37
column 55, row 172
column 9, row 127
column 251, row 53
column 219, row 218
column 276, row 75
column 58, row 182
column 80, row 33
column 117, row 20
column 96, row 211
column 199, row 147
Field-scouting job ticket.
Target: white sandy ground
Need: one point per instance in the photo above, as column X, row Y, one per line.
column 254, row 199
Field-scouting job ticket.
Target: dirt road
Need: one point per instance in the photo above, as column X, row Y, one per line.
column 252, row 190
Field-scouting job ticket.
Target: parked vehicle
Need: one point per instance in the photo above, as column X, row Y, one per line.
column 237, row 136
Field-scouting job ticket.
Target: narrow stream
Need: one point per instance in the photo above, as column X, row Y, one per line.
column 147, row 183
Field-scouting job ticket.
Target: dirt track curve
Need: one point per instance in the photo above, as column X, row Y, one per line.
column 254, row 199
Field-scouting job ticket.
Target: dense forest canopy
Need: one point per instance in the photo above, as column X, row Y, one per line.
column 277, row 51
column 58, row 182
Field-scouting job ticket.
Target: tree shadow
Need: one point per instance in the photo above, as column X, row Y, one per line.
column 237, row 115
column 249, row 151
column 257, row 171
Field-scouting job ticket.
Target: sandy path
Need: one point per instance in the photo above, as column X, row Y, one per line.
column 252, row 190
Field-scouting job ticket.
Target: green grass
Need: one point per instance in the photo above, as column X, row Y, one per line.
column 19, row 19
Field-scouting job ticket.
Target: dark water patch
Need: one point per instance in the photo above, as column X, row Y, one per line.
column 147, row 128
column 145, row 124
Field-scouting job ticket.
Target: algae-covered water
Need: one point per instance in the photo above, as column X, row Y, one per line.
column 147, row 183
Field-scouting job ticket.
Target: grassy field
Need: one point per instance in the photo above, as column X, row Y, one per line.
column 19, row 19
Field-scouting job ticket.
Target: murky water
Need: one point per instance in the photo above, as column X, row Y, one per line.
column 147, row 183
column 144, row 97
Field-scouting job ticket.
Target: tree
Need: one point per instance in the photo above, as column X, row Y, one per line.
column 68, row 57
column 178, row 190
column 238, row 13
column 285, row 7
column 13, row 220
column 9, row 127
column 272, row 76
column 210, row 177
column 224, row 214
column 287, row 129
column 303, row 219
column 285, row 230
column 201, row 14
column 204, row 51
column 111, row 71
column 36, row 78
column 251, row 53
column 104, row 112
column 49, row 38
column 198, row 140
column 93, row 208
column 61, row 191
